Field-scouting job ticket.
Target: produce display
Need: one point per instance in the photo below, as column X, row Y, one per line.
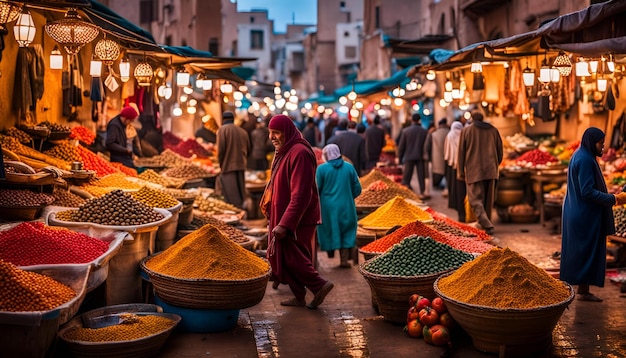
column 131, row 327
column 13, row 198
column 189, row 148
column 214, row 206
column 536, row 158
column 522, row 209
column 378, row 189
column 187, row 172
column 480, row 234
column 396, row 211
column 619, row 216
column 166, row 159
column 154, row 198
column 109, row 183
column 132, row 172
column 23, row 291
column 34, row 243
column 115, row 208
column 92, row 162
column 65, row 151
column 31, row 156
column 201, row 219
column 430, row 320
column 63, row 197
column 518, row 141
column 83, row 134
column 19, row 134
column 501, row 278
column 420, row 229
column 417, row 256
column 208, row 254
column 156, row 178
column 54, row 127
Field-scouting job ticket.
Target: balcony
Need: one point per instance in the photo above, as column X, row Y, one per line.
column 295, row 62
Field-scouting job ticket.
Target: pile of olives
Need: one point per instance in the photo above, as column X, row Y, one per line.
column 115, row 208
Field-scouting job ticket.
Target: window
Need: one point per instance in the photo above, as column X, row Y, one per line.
column 214, row 46
column 350, row 51
column 342, row 5
column 147, row 11
column 252, row 19
column 346, row 34
column 256, row 39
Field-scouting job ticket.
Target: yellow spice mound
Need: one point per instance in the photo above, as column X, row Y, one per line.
column 396, row 211
column 501, row 278
column 207, row 254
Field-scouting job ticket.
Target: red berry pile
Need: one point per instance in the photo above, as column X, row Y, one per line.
column 34, row 243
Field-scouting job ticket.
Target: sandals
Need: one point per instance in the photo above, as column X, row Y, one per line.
column 589, row 297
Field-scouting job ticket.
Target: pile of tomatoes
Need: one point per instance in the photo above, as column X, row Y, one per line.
column 430, row 320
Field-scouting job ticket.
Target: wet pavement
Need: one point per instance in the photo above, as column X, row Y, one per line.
column 347, row 325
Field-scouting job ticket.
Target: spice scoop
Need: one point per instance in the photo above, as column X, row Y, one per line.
column 113, row 319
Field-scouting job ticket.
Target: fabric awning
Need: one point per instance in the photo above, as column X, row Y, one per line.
column 597, row 29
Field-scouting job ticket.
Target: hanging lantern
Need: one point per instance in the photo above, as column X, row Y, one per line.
column 431, row 75
column 602, row 84
column 56, row 59
column 529, row 77
column 447, row 96
column 9, row 12
column 593, row 66
column 544, row 72
column 448, row 86
column 95, row 68
column 207, row 84
column 107, row 51
column 563, row 64
column 143, row 74
column 124, row 70
column 72, row 32
column 226, row 88
column 477, row 67
column 610, row 64
column 555, row 75
column 582, row 68
column 182, row 77
column 24, row 29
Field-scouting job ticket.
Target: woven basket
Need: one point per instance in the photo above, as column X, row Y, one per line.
column 392, row 292
column 147, row 346
column 208, row 293
column 369, row 255
column 511, row 332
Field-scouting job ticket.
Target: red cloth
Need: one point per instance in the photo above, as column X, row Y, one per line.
column 293, row 204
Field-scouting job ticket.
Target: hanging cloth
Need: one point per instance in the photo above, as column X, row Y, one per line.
column 96, row 89
column 22, row 90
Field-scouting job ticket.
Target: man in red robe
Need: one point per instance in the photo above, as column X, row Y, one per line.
column 291, row 204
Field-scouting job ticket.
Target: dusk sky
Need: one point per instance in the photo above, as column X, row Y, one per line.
column 283, row 12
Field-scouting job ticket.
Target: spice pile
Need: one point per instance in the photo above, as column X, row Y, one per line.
column 93, row 162
column 207, row 254
column 130, row 329
column 420, row 229
column 65, row 151
column 378, row 189
column 156, row 178
column 83, row 134
column 166, row 159
column 154, row 198
column 65, row 198
column 14, row 198
column 23, row 291
column 34, row 243
column 200, row 219
column 214, row 206
column 501, row 278
column 396, row 211
column 187, row 172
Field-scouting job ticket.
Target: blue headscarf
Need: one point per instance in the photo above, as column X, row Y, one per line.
column 592, row 136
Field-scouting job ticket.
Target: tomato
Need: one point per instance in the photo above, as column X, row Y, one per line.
column 413, row 299
column 412, row 314
column 421, row 303
column 414, row 328
column 440, row 335
column 428, row 337
column 439, row 305
column 446, row 320
column 429, row 316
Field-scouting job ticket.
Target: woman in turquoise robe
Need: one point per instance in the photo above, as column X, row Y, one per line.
column 338, row 184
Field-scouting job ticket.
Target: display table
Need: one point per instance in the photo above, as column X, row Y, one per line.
column 540, row 178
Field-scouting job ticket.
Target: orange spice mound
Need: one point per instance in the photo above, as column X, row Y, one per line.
column 502, row 278
column 396, row 211
column 377, row 197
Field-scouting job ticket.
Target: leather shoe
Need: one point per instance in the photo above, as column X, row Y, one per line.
column 320, row 295
column 293, row 302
